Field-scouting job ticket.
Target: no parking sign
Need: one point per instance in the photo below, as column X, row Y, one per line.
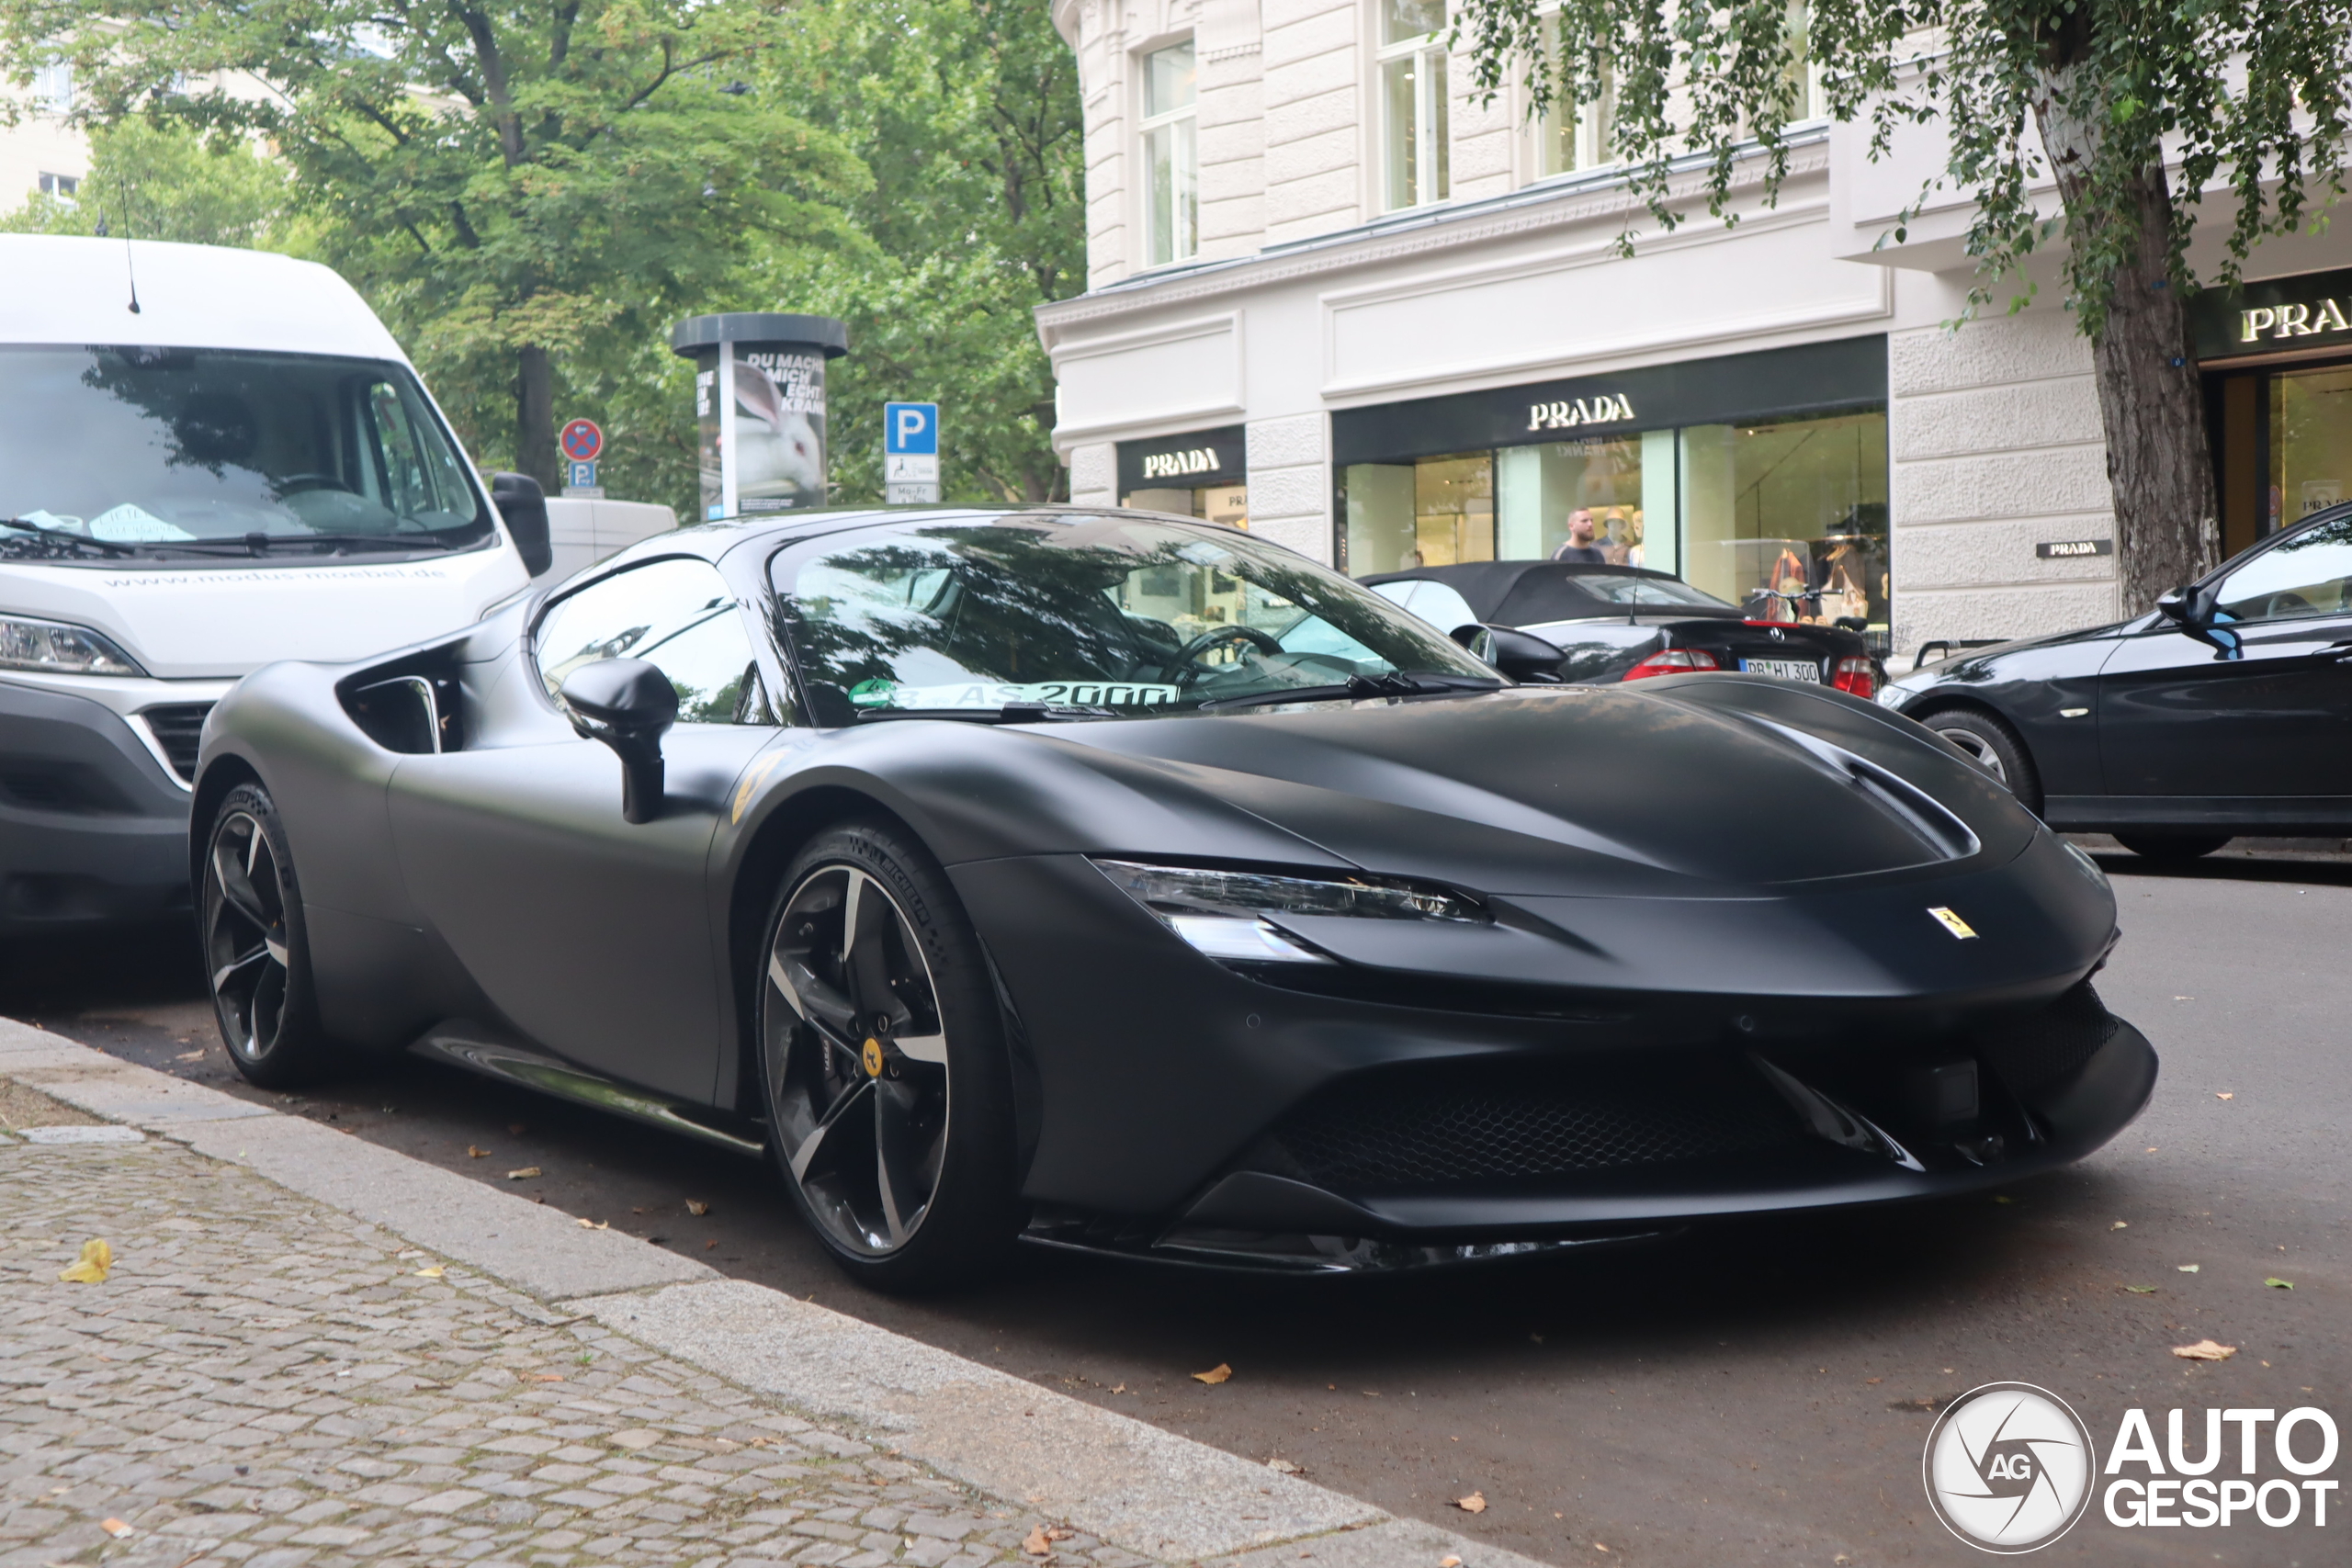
column 583, row 441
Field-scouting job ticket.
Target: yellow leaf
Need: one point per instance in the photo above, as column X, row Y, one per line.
column 114, row 1527
column 696, row 1207
column 97, row 1258
column 524, row 1174
column 2205, row 1350
column 432, row 1273
column 1215, row 1375
column 473, row 1153
column 1474, row 1504
column 2225, row 1096
column 1448, row 1562
column 1036, row 1545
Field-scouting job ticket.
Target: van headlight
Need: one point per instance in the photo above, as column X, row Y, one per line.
column 1222, row 914
column 57, row 648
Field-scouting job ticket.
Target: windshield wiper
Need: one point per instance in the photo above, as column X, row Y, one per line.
column 65, row 539
column 1011, row 713
column 1395, row 683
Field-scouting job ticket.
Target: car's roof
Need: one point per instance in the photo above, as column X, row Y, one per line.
column 1485, row 584
column 67, row 290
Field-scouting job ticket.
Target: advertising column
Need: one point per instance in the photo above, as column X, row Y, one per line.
column 760, row 408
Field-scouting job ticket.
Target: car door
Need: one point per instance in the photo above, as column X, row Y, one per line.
column 2253, row 703
column 591, row 934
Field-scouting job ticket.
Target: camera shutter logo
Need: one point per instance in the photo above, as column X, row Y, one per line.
column 2008, row 1467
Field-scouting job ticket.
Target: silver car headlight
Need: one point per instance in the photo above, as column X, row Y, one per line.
column 1224, row 914
column 55, row 647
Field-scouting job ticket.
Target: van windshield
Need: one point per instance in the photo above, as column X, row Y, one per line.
column 120, row 455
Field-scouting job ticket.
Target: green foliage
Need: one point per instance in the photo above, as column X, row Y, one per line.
column 162, row 181
column 2249, row 96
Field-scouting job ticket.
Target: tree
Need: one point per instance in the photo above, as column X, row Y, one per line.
column 2244, row 99
column 967, row 113
column 510, row 182
column 163, row 182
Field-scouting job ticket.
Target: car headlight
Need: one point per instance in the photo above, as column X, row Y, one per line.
column 57, row 648
column 1223, row 913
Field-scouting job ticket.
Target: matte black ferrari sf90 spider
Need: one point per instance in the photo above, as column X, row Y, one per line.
column 1140, row 886
column 1629, row 623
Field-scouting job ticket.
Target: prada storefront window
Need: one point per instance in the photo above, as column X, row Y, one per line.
column 2277, row 361
column 1760, row 477
column 1201, row 474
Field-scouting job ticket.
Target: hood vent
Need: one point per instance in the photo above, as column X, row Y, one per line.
column 1930, row 821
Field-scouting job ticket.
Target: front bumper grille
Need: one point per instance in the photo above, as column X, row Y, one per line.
column 1416, row 1129
column 178, row 729
column 2034, row 1052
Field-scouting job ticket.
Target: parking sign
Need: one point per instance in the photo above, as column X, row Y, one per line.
column 911, row 452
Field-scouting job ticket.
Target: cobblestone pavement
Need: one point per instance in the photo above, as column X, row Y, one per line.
column 265, row 1382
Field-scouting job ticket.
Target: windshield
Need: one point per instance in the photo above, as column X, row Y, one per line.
column 117, row 454
column 1128, row 617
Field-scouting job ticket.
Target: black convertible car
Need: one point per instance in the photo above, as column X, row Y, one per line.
column 2226, row 711
column 1135, row 884
column 1629, row 623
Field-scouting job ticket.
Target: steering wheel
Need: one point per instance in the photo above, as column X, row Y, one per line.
column 295, row 484
column 1210, row 638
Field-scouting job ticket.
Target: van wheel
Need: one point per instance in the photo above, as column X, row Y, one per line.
column 256, row 952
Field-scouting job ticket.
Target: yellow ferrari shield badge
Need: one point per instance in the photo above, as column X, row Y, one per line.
column 1953, row 923
column 872, row 1055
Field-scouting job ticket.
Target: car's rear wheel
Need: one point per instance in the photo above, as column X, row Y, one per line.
column 2172, row 847
column 1992, row 746
column 256, row 953
column 889, row 1093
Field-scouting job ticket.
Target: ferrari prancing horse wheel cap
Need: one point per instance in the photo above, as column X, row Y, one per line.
column 871, row 1056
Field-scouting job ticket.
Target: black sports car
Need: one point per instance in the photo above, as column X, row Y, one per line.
column 1628, row 623
column 2227, row 710
column 1137, row 885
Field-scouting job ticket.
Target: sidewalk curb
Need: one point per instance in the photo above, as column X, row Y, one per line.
column 1122, row 1479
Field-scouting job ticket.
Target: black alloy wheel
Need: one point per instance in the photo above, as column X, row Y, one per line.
column 1993, row 746
column 2173, row 849
column 883, row 1065
column 256, row 952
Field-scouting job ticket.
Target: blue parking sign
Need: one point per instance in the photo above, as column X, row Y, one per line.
column 911, row 429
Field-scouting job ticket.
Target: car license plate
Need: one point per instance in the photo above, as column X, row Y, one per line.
column 1803, row 670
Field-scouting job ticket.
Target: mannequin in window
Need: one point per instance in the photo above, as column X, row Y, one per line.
column 1580, row 548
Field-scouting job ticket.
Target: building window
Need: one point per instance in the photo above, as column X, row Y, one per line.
column 1171, row 153
column 54, row 88
column 1572, row 137
column 62, row 185
column 1806, row 101
column 1412, row 103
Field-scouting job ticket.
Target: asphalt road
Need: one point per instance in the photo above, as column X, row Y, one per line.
column 1745, row 1394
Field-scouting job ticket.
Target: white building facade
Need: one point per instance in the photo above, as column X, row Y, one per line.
column 1332, row 296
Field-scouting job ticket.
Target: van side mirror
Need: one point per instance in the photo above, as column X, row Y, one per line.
column 524, row 505
column 626, row 704
column 1523, row 656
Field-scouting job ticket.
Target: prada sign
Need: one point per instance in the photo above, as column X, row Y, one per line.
column 1188, row 461
column 2279, row 314
column 1606, row 408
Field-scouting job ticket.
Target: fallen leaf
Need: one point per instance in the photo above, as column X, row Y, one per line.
column 2142, row 1289
column 2205, row 1350
column 1036, row 1544
column 115, row 1527
column 432, row 1273
column 2189, row 1267
column 547, row 1377
column 1873, row 1382
column 2121, row 1226
column 2225, row 1096
column 1474, row 1504
column 595, row 1224
column 474, row 1153
column 1448, row 1562
column 1282, row 1466
column 97, row 1258
column 1597, row 1546
column 696, row 1207
column 1215, row 1375
column 525, row 1174
column 708, row 1244
column 2276, row 1283
column 1119, row 1388
column 196, row 1055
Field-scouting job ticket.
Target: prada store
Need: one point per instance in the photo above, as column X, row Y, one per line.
column 1760, row 477
column 2276, row 364
column 1202, row 474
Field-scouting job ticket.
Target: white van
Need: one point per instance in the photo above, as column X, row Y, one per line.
column 242, row 467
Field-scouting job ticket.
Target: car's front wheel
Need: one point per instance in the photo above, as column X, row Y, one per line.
column 2172, row 847
column 256, row 953
column 1992, row 746
column 888, row 1092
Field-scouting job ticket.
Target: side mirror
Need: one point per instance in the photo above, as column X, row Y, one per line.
column 626, row 704
column 524, row 505
column 1523, row 656
column 2178, row 604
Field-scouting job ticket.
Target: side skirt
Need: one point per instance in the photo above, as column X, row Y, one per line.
column 481, row 1050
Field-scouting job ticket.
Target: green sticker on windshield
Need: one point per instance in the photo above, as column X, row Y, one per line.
column 874, row 693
